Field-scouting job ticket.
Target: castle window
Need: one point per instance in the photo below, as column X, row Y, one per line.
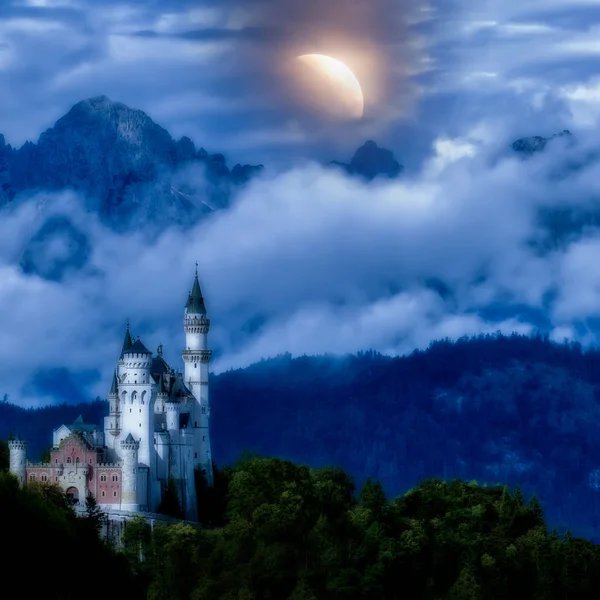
column 114, row 494
column 44, row 478
column 195, row 423
column 115, row 478
column 103, row 493
column 102, row 477
column 90, row 461
column 203, row 438
column 69, row 459
column 195, row 365
column 56, row 478
column 56, row 461
column 204, row 410
column 32, row 478
column 77, row 460
column 195, row 455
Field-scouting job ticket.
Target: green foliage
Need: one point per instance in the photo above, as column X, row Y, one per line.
column 40, row 529
column 170, row 504
column 4, row 456
column 212, row 500
column 294, row 533
column 45, row 454
column 94, row 514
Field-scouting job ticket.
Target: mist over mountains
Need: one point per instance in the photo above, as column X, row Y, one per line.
column 132, row 173
column 128, row 169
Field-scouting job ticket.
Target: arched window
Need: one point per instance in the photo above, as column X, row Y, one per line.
column 133, row 396
column 77, row 460
column 103, row 493
column 143, row 398
column 204, row 410
column 124, row 397
column 69, row 459
column 115, row 478
column 115, row 494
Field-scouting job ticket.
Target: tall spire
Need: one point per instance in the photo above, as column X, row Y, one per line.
column 113, row 387
column 127, row 343
column 195, row 303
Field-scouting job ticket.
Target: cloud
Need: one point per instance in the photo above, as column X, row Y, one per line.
column 306, row 261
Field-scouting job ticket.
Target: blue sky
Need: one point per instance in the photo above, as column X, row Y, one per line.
column 309, row 261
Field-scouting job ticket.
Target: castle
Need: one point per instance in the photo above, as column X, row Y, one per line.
column 157, row 429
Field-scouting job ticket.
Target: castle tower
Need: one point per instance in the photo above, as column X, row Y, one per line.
column 136, row 400
column 161, row 395
column 18, row 459
column 129, row 474
column 115, row 413
column 196, row 357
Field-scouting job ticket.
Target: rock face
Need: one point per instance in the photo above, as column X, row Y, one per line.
column 122, row 163
column 370, row 160
column 537, row 143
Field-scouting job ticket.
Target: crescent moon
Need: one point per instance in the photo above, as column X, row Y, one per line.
column 332, row 75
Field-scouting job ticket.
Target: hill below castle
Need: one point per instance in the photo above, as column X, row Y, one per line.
column 492, row 408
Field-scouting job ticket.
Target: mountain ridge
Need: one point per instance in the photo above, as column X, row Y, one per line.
column 516, row 409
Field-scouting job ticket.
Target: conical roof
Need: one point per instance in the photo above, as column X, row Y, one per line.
column 113, row 386
column 137, row 348
column 127, row 343
column 195, row 303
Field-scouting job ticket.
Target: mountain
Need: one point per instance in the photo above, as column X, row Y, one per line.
column 536, row 143
column 492, row 408
column 370, row 161
column 127, row 167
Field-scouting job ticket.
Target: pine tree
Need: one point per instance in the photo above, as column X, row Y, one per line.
column 94, row 514
column 170, row 504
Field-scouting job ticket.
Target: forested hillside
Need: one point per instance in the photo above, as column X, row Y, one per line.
column 492, row 408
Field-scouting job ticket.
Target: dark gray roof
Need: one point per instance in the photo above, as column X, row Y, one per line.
column 127, row 343
column 113, row 386
column 137, row 348
column 195, row 303
column 80, row 425
column 162, row 389
column 159, row 366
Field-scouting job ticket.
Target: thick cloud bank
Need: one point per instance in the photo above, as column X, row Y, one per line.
column 306, row 261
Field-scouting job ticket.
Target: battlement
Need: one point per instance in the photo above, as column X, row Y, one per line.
column 17, row 445
column 196, row 355
column 116, row 465
column 125, row 445
column 173, row 406
column 38, row 465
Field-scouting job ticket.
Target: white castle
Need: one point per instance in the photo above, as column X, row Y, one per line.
column 157, row 429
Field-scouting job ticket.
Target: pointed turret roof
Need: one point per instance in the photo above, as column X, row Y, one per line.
column 161, row 385
column 129, row 439
column 195, row 303
column 127, row 343
column 137, row 348
column 113, row 386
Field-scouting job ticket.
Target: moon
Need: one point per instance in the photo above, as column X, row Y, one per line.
column 330, row 86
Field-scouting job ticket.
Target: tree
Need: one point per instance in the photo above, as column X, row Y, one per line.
column 4, row 456
column 94, row 514
column 170, row 504
column 45, row 454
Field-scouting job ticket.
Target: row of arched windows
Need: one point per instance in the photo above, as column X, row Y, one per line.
column 133, row 397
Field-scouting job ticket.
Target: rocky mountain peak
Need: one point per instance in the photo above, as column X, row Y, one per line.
column 370, row 161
